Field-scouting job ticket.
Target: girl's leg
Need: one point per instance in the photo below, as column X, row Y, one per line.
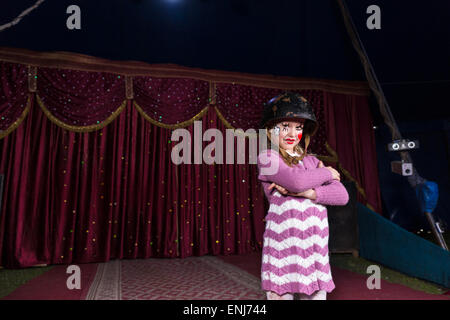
column 318, row 295
column 273, row 296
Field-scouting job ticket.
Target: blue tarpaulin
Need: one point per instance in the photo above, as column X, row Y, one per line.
column 387, row 243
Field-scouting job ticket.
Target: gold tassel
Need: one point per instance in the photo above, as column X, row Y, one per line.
column 129, row 87
column 212, row 93
column 32, row 78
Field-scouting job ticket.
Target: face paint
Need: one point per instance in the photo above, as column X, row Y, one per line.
column 300, row 136
column 276, row 131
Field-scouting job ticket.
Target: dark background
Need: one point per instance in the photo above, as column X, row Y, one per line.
column 301, row 38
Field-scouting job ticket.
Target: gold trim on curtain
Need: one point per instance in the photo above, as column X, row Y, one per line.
column 89, row 128
column 229, row 126
column 19, row 120
column 222, row 118
column 171, row 126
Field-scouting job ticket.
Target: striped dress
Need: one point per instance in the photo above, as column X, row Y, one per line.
column 295, row 249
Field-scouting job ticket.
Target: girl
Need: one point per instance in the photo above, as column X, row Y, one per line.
column 295, row 250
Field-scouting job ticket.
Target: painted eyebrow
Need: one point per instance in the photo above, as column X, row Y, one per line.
column 287, row 125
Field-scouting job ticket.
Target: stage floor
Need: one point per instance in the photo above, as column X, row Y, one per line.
column 234, row 277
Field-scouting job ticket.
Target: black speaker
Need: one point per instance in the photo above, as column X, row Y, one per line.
column 343, row 224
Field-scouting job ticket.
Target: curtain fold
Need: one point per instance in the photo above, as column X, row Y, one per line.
column 73, row 197
column 350, row 134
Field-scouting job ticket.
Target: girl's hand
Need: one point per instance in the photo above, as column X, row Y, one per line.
column 336, row 175
column 279, row 188
column 308, row 194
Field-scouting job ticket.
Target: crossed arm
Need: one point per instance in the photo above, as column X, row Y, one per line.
column 329, row 193
column 309, row 194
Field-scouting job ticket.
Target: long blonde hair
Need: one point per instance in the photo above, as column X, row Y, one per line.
column 288, row 159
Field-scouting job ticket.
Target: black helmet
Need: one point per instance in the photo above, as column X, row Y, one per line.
column 289, row 106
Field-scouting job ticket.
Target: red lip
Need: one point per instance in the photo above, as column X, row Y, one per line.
column 289, row 141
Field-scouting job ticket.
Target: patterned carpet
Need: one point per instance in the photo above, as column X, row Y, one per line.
column 193, row 278
column 232, row 277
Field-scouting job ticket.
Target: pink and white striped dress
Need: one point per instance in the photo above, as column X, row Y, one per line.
column 295, row 249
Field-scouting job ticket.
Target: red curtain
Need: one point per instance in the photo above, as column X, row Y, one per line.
column 349, row 130
column 89, row 175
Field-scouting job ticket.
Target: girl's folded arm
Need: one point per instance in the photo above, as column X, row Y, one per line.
column 333, row 194
column 295, row 179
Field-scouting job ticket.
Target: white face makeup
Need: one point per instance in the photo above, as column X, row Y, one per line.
column 287, row 133
column 276, row 131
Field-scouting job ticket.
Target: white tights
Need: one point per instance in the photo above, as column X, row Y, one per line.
column 318, row 295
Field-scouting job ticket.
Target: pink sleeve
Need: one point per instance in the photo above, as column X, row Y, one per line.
column 333, row 194
column 314, row 160
column 294, row 179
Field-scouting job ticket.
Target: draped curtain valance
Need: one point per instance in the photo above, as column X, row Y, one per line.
column 83, row 94
column 84, row 101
